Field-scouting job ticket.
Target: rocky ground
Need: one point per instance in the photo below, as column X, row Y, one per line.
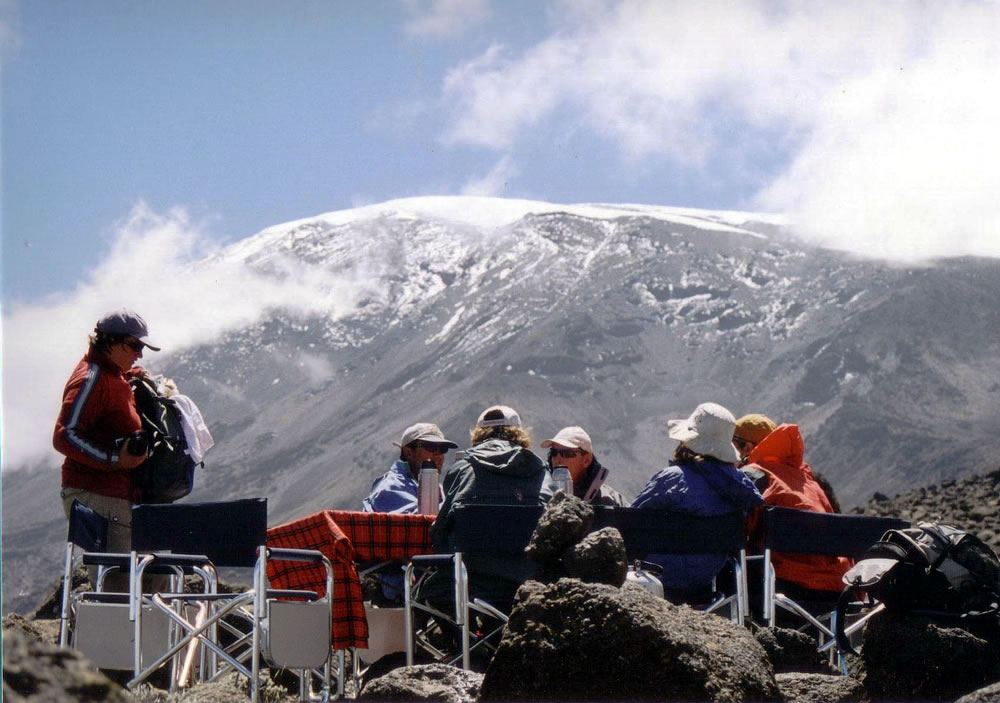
column 579, row 633
column 971, row 504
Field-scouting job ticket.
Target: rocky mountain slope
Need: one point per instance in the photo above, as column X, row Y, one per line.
column 971, row 504
column 610, row 316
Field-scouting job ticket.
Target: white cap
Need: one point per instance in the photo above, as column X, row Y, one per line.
column 572, row 438
column 508, row 417
column 425, row 432
column 708, row 431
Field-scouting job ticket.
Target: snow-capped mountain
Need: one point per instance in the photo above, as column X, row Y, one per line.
column 613, row 317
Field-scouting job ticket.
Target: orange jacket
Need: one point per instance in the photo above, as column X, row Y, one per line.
column 791, row 485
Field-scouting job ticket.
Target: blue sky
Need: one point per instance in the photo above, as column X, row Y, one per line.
column 138, row 136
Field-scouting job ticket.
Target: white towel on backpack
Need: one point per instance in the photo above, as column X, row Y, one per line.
column 199, row 439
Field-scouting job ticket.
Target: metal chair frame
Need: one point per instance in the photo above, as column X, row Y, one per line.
column 818, row 534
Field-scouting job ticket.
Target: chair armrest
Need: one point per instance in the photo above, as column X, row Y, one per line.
column 105, row 559
column 283, row 554
column 431, row 559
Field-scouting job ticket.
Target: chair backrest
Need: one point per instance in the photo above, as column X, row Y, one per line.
column 228, row 533
column 87, row 529
column 828, row 534
column 494, row 530
column 660, row 532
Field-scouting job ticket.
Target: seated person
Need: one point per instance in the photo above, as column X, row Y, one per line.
column 702, row 479
column 779, row 453
column 572, row 448
column 397, row 489
column 499, row 469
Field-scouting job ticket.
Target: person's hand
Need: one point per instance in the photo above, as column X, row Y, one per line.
column 127, row 460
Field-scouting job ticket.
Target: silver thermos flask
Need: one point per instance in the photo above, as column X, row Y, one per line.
column 562, row 479
column 427, row 500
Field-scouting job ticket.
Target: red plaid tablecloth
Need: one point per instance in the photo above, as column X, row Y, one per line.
column 346, row 537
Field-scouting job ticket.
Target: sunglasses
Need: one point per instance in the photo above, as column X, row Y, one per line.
column 567, row 453
column 135, row 346
column 741, row 443
column 431, row 447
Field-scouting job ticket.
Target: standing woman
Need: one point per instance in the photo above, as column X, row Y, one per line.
column 92, row 431
column 701, row 479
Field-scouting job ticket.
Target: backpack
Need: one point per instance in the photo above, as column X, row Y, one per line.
column 932, row 570
column 168, row 473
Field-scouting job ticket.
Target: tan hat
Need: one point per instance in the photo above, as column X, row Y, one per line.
column 425, row 432
column 708, row 431
column 572, row 438
column 500, row 416
column 753, row 428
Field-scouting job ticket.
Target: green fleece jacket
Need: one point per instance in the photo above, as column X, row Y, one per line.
column 493, row 472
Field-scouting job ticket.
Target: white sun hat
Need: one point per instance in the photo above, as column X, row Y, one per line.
column 708, row 431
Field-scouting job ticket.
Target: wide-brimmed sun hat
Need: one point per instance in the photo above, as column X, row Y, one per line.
column 708, row 431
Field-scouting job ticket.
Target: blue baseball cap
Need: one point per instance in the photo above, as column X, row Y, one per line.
column 125, row 323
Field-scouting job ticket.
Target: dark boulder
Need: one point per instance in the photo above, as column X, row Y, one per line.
column 819, row 688
column 912, row 658
column 791, row 650
column 599, row 558
column 578, row 641
column 424, row 682
column 565, row 522
column 36, row 670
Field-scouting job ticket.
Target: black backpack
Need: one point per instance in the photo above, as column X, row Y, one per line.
column 932, row 570
column 168, row 474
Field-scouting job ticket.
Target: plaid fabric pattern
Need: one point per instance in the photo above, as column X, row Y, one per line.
column 345, row 537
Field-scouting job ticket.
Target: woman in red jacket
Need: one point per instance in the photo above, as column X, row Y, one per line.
column 779, row 453
column 97, row 416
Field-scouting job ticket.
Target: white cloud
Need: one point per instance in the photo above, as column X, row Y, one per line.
column 444, row 19
column 167, row 268
column 882, row 114
column 495, row 182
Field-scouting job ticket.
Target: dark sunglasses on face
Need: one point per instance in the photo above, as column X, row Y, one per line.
column 431, row 447
column 568, row 453
column 743, row 443
column 134, row 344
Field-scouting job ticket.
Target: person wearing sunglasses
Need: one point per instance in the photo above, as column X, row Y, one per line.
column 572, row 448
column 397, row 489
column 93, row 429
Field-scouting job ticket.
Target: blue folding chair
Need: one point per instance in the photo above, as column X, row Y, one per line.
column 478, row 532
column 791, row 531
column 648, row 532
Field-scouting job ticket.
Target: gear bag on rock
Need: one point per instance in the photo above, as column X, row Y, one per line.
column 168, row 473
column 933, row 570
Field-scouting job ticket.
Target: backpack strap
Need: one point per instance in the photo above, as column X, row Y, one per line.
column 843, row 643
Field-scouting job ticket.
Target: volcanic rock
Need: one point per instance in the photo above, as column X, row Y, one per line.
column 36, row 670
column 936, row 662
column 819, row 688
column 989, row 694
column 791, row 651
column 564, row 523
column 599, row 558
column 577, row 641
column 424, row 682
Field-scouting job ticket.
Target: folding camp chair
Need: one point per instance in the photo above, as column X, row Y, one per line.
column 648, row 532
column 478, row 531
column 290, row 629
column 101, row 628
column 89, row 532
column 825, row 534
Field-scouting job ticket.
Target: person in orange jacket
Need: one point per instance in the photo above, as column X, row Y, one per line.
column 779, row 452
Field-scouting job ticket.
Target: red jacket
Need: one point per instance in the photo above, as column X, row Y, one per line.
column 791, row 485
column 97, row 408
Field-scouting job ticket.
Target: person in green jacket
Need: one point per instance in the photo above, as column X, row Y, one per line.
column 498, row 469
